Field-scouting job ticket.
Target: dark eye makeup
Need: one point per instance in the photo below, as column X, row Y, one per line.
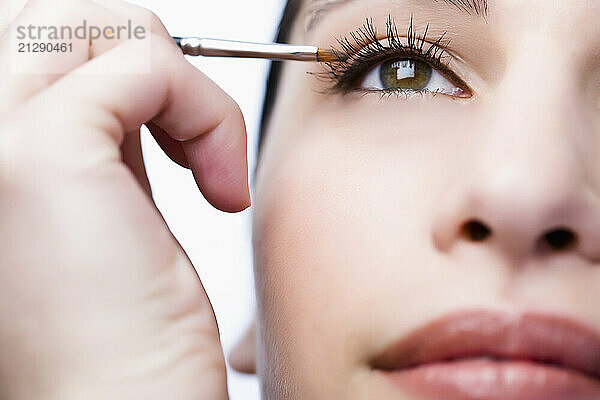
column 412, row 58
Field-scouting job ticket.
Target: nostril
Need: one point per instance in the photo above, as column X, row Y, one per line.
column 560, row 239
column 476, row 231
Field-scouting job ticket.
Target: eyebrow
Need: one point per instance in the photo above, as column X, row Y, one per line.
column 321, row 7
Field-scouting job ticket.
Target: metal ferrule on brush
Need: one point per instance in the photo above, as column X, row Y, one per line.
column 194, row 46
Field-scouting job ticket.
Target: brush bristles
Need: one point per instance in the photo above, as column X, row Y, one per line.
column 326, row 56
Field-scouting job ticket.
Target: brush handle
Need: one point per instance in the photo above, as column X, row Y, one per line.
column 195, row 46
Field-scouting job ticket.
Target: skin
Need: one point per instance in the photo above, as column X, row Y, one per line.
column 360, row 202
column 359, row 209
column 98, row 299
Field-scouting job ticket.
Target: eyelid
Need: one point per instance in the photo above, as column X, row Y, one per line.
column 385, row 39
column 363, row 49
column 443, row 68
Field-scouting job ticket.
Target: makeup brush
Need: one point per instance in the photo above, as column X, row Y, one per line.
column 194, row 46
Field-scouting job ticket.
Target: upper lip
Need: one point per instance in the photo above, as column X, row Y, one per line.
column 542, row 338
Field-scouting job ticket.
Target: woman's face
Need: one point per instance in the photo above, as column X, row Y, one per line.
column 394, row 232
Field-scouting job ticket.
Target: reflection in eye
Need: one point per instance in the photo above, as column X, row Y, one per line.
column 408, row 74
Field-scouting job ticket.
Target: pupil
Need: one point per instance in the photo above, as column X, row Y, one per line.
column 405, row 73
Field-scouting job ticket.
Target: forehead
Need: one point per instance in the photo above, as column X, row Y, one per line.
column 316, row 9
column 313, row 11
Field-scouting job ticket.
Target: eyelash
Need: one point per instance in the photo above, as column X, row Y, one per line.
column 363, row 50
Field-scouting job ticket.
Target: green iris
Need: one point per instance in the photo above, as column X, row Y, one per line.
column 406, row 73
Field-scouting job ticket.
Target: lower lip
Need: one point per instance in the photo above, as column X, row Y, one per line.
column 494, row 380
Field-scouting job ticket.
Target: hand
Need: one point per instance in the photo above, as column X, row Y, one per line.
column 97, row 298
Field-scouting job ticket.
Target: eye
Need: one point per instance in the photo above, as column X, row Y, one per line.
column 410, row 74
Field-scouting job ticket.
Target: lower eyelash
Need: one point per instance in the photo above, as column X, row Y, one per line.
column 404, row 93
column 363, row 49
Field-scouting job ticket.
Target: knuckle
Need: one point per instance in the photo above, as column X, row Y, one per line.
column 148, row 18
column 233, row 110
column 155, row 21
column 237, row 110
column 237, row 116
column 164, row 50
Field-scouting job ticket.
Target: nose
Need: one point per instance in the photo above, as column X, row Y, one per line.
column 531, row 188
column 521, row 214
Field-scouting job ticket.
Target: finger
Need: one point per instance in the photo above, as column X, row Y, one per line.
column 131, row 149
column 148, row 19
column 207, row 171
column 99, row 12
column 9, row 10
column 27, row 73
column 172, row 147
column 175, row 96
column 141, row 15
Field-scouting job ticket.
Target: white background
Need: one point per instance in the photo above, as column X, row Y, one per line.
column 217, row 243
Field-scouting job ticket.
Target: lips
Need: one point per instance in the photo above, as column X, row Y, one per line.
column 482, row 355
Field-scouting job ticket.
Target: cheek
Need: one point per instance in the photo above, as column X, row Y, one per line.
column 309, row 222
column 342, row 217
column 334, row 219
